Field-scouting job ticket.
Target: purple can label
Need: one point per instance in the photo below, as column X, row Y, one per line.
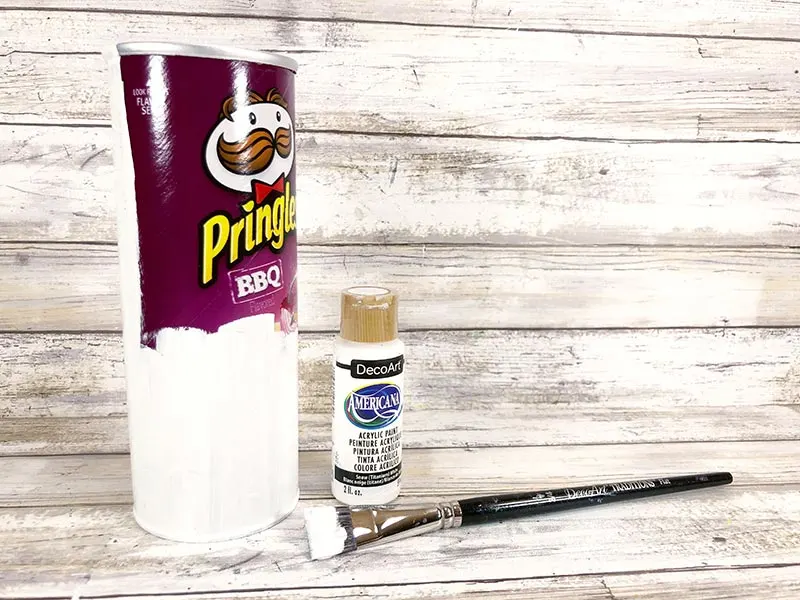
column 213, row 150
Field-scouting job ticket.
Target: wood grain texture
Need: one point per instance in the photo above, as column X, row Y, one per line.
column 445, row 287
column 757, row 18
column 57, row 184
column 46, row 374
column 567, row 424
column 387, row 78
column 473, row 155
column 105, row 479
column 63, row 393
column 779, row 583
column 98, row 550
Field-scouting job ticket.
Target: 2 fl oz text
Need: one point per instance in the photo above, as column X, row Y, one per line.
column 349, row 489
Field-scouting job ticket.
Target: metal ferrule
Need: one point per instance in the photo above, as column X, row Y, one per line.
column 379, row 525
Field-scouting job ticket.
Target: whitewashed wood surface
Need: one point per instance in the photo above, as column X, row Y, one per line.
column 451, row 287
column 392, row 78
column 590, row 212
column 732, row 18
column 755, row 584
column 95, row 549
column 77, row 480
column 448, row 190
column 64, row 392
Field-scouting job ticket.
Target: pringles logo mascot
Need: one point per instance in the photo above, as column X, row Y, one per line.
column 251, row 150
column 252, row 146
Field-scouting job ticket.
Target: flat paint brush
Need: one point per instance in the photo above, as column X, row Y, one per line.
column 336, row 530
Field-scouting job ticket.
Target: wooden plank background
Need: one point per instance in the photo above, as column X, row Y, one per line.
column 722, row 18
column 448, row 190
column 399, row 79
column 590, row 211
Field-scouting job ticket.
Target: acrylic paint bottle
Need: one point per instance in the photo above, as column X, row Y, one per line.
column 368, row 398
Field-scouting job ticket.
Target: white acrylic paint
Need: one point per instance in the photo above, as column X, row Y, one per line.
column 214, row 458
column 368, row 399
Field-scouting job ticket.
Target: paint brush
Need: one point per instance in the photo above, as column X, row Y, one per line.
column 335, row 530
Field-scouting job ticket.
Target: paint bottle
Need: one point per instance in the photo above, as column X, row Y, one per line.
column 368, row 398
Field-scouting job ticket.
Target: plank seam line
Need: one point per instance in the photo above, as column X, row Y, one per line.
column 105, row 124
column 48, row 53
column 412, row 448
column 8, row 418
column 352, row 21
column 551, row 138
column 455, row 246
column 375, row 249
column 466, row 448
column 599, row 329
column 411, row 497
column 587, row 575
column 322, row 498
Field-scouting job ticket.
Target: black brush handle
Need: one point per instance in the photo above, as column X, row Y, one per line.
column 509, row 506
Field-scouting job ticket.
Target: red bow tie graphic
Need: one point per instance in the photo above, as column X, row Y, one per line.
column 262, row 191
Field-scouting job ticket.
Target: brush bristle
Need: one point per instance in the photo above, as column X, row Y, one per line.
column 329, row 530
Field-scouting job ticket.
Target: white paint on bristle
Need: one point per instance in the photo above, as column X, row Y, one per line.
column 326, row 537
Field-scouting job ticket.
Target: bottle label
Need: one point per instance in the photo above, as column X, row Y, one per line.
column 367, row 423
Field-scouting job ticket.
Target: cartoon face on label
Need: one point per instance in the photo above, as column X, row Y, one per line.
column 250, row 149
column 252, row 144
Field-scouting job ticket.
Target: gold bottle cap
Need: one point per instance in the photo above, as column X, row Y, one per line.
column 368, row 314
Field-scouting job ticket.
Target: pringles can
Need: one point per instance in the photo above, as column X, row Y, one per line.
column 205, row 158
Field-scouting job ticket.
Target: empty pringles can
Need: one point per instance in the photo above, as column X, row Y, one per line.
column 205, row 154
